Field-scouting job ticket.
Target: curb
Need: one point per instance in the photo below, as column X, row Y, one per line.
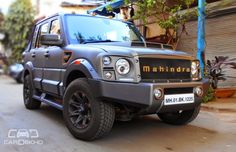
column 214, row 109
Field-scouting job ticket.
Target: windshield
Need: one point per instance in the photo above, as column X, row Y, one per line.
column 84, row 29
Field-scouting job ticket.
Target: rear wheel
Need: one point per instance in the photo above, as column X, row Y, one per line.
column 180, row 117
column 29, row 102
column 85, row 116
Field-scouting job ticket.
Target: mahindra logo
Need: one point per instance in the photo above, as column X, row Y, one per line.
column 165, row 69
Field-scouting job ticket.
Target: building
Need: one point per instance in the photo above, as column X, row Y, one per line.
column 47, row 8
column 80, row 7
column 220, row 36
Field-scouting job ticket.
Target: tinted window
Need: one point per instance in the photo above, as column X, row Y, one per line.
column 83, row 28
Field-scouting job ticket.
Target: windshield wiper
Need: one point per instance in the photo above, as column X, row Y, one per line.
column 96, row 41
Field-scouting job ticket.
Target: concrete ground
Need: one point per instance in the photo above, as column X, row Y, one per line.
column 210, row 132
column 221, row 105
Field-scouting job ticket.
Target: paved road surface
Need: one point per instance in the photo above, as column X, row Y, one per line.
column 210, row 132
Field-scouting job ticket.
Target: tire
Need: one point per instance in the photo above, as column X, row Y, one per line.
column 28, row 92
column 179, row 118
column 85, row 117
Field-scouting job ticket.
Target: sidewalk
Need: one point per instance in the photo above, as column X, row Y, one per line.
column 221, row 105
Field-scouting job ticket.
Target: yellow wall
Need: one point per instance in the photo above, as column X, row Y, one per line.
column 77, row 9
column 154, row 30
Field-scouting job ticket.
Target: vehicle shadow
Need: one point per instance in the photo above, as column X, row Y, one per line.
column 146, row 133
column 51, row 113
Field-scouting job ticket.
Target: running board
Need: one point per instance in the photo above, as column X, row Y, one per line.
column 47, row 101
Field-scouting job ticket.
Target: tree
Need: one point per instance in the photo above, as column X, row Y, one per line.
column 17, row 26
column 1, row 23
column 1, row 18
column 165, row 13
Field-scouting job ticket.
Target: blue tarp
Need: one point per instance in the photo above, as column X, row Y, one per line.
column 101, row 10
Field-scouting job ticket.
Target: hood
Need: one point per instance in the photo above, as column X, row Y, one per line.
column 126, row 49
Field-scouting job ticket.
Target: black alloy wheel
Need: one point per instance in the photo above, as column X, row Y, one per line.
column 80, row 110
column 86, row 117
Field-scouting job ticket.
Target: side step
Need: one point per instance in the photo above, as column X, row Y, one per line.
column 47, row 101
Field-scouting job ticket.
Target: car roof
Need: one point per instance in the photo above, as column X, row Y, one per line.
column 86, row 15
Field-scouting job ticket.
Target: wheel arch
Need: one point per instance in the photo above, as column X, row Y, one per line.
column 75, row 74
column 25, row 73
column 79, row 68
column 28, row 67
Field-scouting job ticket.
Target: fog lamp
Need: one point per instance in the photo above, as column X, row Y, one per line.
column 108, row 75
column 198, row 91
column 157, row 93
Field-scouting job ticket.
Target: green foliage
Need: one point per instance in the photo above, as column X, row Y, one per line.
column 17, row 26
column 164, row 12
column 109, row 8
column 210, row 95
column 1, row 20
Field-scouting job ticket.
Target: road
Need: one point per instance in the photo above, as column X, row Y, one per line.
column 210, row 132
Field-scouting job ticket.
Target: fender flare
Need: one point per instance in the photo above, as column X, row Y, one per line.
column 28, row 67
column 83, row 66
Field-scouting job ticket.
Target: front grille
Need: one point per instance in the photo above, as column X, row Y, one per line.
column 178, row 90
column 165, row 69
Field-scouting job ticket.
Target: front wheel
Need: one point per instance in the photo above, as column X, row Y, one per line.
column 85, row 116
column 180, row 117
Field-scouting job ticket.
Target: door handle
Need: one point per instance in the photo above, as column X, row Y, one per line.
column 46, row 54
column 33, row 55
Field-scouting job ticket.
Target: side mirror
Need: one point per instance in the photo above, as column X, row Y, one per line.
column 51, row 39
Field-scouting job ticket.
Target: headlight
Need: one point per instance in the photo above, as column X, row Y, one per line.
column 195, row 70
column 122, row 66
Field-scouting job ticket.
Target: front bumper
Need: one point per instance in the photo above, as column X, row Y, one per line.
column 141, row 94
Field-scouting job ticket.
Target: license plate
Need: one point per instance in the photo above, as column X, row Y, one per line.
column 178, row 99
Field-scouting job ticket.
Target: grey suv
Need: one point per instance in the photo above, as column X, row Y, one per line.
column 97, row 70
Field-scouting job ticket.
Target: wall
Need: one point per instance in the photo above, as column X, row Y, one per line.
column 77, row 9
column 220, row 41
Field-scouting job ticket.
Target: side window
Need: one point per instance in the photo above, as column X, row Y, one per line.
column 34, row 39
column 43, row 30
column 55, row 28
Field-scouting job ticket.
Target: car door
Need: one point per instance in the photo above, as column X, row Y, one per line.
column 53, row 62
column 37, row 54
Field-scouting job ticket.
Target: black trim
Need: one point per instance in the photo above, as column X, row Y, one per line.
column 178, row 91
